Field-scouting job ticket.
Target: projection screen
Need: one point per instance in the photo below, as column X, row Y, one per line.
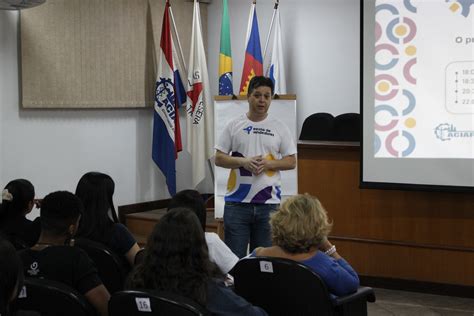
column 417, row 90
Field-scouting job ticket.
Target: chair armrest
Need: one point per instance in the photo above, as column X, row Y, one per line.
column 362, row 291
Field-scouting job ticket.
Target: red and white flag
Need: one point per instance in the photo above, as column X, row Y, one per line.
column 200, row 115
column 169, row 95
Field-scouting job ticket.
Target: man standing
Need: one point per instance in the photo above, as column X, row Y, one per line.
column 256, row 147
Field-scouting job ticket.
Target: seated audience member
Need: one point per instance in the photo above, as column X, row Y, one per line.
column 176, row 260
column 54, row 256
column 299, row 232
column 11, row 276
column 219, row 253
column 96, row 190
column 17, row 201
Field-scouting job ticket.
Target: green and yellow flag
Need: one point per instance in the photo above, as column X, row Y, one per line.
column 225, row 55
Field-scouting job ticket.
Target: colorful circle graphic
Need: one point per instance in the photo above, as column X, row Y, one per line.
column 397, row 30
column 377, row 144
column 407, row 71
column 411, row 102
column 405, row 152
column 392, row 113
column 410, row 122
column 385, row 87
column 382, row 49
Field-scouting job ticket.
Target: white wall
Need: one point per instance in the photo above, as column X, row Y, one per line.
column 321, row 47
column 53, row 148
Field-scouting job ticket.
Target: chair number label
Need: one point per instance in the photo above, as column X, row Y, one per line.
column 266, row 266
column 22, row 292
column 143, row 304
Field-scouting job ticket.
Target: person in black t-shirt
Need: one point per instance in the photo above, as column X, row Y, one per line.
column 99, row 221
column 11, row 275
column 17, row 201
column 54, row 258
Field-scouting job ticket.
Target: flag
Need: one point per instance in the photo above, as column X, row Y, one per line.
column 225, row 55
column 200, row 116
column 276, row 70
column 253, row 63
column 168, row 93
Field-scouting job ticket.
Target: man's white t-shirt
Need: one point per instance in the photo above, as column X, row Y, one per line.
column 269, row 138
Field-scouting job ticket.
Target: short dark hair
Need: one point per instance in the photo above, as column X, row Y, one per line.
column 260, row 81
column 11, row 274
column 59, row 210
column 192, row 200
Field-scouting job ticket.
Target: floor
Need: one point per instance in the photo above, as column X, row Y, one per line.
column 391, row 302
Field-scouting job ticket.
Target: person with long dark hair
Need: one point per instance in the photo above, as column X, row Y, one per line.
column 11, row 276
column 219, row 253
column 99, row 221
column 176, row 260
column 18, row 199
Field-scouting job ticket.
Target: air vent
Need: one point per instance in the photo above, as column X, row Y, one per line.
column 19, row 4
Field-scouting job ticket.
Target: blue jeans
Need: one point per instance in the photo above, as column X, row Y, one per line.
column 247, row 222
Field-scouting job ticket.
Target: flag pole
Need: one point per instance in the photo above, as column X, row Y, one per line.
column 275, row 8
column 177, row 40
column 211, row 171
column 210, row 164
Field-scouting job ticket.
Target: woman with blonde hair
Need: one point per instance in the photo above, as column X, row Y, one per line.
column 299, row 232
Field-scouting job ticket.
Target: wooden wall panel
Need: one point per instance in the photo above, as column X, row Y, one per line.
column 425, row 236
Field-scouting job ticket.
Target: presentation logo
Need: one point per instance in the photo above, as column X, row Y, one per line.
column 34, row 269
column 248, row 129
column 446, row 131
column 164, row 100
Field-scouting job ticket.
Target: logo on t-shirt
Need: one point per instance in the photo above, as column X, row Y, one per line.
column 248, row 129
column 33, row 270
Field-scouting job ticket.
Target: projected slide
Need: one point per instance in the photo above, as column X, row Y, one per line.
column 424, row 79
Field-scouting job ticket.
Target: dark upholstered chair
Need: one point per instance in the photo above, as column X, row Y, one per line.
column 111, row 267
column 140, row 303
column 318, row 126
column 286, row 287
column 347, row 127
column 51, row 298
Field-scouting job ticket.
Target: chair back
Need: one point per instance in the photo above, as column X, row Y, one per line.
column 281, row 286
column 52, row 298
column 318, row 126
column 112, row 268
column 347, row 127
column 139, row 303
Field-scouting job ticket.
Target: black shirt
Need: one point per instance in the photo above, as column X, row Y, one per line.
column 21, row 232
column 69, row 265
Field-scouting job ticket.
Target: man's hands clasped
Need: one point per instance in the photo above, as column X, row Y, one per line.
column 256, row 165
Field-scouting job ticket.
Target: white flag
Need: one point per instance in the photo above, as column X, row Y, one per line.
column 276, row 70
column 200, row 116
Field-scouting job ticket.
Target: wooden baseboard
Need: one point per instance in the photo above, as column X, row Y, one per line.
column 418, row 286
